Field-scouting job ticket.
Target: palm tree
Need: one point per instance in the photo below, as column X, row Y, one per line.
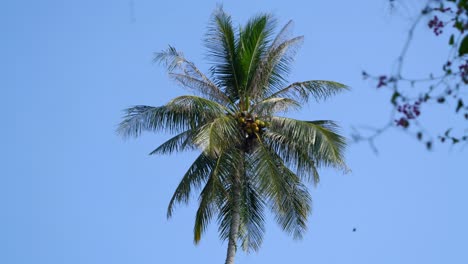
column 250, row 159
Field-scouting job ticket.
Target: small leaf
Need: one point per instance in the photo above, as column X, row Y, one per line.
column 394, row 97
column 447, row 132
column 419, row 135
column 455, row 140
column 426, row 97
column 458, row 25
column 459, row 105
column 452, row 40
column 463, row 4
column 463, row 46
column 429, row 145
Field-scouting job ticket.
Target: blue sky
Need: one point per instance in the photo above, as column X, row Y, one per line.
column 72, row 191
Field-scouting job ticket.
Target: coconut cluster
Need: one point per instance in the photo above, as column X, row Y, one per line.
column 251, row 124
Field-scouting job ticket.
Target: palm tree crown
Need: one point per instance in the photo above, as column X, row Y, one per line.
column 251, row 159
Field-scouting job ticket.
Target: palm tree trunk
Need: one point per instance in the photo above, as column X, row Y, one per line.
column 235, row 218
column 234, row 229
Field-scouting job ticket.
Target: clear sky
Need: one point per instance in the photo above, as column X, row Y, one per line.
column 72, row 191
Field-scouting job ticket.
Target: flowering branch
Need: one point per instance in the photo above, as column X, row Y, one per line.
column 409, row 96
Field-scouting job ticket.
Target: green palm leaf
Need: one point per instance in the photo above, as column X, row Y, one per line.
column 272, row 75
column 196, row 175
column 216, row 191
column 222, row 46
column 206, row 208
column 178, row 143
column 188, row 75
column 318, row 138
column 271, row 106
column 212, row 137
column 319, row 90
column 180, row 114
column 252, row 226
column 294, row 155
column 288, row 197
column 254, row 39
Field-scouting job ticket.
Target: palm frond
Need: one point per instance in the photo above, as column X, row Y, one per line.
column 252, row 226
column 207, row 208
column 216, row 195
column 317, row 138
column 203, row 87
column 294, row 155
column 220, row 134
column 178, row 143
column 252, row 223
column 271, row 75
column 288, row 197
column 225, row 216
column 222, row 46
column 141, row 117
column 330, row 145
column 198, row 105
column 188, row 75
column 196, row 175
column 272, row 106
column 283, row 35
column 319, row 90
column 254, row 39
column 180, row 114
column 171, row 58
column 294, row 207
